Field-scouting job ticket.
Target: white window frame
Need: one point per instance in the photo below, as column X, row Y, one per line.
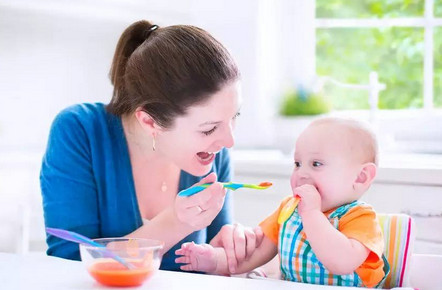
column 428, row 22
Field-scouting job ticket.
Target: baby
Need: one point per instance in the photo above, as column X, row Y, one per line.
column 331, row 238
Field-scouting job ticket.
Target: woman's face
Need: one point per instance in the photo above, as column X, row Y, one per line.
column 195, row 138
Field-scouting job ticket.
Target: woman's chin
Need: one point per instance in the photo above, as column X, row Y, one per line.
column 198, row 170
column 201, row 167
column 203, row 172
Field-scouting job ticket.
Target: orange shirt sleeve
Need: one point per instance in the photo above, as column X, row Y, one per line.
column 360, row 223
column 270, row 226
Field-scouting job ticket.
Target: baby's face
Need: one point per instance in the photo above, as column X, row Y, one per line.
column 324, row 159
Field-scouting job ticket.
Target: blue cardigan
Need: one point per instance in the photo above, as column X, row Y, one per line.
column 87, row 184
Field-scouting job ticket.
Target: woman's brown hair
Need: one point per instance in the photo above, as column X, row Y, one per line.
column 165, row 70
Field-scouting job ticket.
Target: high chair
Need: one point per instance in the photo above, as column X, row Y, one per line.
column 399, row 235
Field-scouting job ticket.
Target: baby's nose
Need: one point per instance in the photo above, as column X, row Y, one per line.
column 302, row 174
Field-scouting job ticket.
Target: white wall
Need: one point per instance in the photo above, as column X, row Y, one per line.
column 50, row 60
column 55, row 53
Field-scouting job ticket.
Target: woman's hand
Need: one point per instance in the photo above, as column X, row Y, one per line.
column 199, row 210
column 239, row 243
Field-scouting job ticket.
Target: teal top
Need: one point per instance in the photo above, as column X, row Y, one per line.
column 87, row 184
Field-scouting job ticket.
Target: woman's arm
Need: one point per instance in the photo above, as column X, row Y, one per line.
column 185, row 216
column 69, row 191
column 164, row 227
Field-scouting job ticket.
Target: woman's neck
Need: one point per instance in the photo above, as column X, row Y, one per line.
column 140, row 142
column 149, row 165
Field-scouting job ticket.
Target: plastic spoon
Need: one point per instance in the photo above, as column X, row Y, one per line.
column 77, row 238
column 230, row 185
column 288, row 209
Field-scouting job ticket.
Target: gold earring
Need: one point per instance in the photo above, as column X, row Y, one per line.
column 153, row 143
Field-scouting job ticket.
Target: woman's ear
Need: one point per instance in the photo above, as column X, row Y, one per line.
column 146, row 122
column 365, row 177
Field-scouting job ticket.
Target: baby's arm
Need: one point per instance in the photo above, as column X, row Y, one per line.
column 338, row 253
column 206, row 258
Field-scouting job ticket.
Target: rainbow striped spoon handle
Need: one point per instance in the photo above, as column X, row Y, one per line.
column 77, row 238
column 230, row 185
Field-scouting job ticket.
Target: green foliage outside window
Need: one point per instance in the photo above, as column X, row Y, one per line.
column 396, row 53
column 438, row 67
column 369, row 8
column 349, row 54
column 438, row 8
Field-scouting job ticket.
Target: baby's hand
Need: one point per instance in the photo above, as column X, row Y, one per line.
column 310, row 198
column 197, row 257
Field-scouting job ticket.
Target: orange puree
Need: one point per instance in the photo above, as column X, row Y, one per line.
column 265, row 184
column 112, row 273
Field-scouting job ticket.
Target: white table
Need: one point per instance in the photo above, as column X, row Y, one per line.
column 42, row 272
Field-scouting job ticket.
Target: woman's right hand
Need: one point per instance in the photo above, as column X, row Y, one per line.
column 199, row 210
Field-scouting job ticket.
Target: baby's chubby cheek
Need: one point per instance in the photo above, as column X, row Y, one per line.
column 293, row 183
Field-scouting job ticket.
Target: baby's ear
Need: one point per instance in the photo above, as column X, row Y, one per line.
column 365, row 177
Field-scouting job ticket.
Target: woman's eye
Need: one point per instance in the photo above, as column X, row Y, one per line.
column 316, row 163
column 297, row 164
column 207, row 133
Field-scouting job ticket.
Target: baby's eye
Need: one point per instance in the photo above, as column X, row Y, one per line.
column 316, row 163
column 297, row 164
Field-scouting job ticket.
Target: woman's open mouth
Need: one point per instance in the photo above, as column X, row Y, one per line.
column 205, row 158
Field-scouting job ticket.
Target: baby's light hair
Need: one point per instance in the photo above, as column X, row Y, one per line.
column 365, row 139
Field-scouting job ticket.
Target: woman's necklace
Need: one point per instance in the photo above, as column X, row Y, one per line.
column 164, row 187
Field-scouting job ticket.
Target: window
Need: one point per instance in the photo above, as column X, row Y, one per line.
column 401, row 40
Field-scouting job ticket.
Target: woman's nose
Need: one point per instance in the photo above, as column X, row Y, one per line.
column 228, row 140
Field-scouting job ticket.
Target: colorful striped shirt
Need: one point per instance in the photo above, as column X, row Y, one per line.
column 299, row 263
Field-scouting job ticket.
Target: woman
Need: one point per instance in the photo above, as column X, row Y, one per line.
column 115, row 170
